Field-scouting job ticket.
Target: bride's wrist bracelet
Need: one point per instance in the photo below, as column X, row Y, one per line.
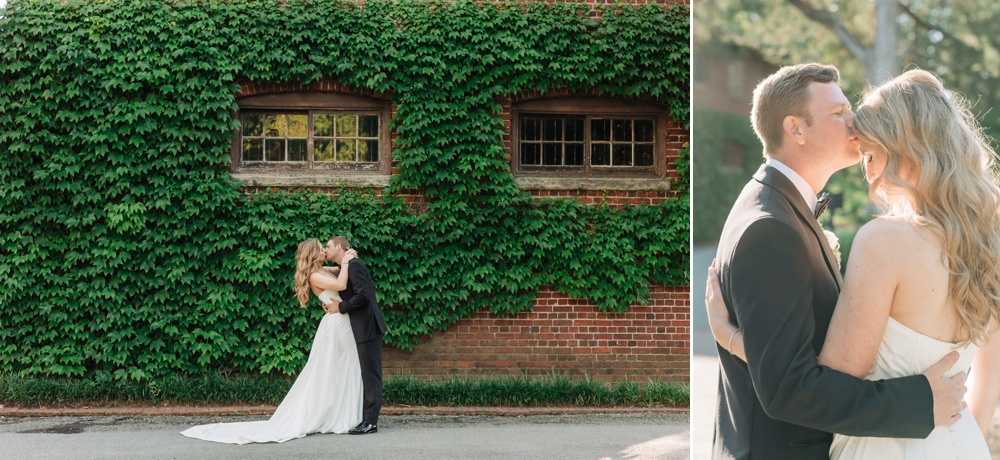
column 730, row 349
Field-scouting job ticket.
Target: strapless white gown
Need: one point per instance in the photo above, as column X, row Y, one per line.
column 327, row 396
column 904, row 352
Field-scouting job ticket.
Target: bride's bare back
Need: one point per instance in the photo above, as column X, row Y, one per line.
column 895, row 269
column 921, row 300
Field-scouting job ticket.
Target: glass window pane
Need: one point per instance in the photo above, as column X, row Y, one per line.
column 552, row 129
column 297, row 149
column 574, row 154
column 368, row 151
column 298, row 126
column 622, row 130
column 347, row 126
column 622, row 155
column 643, row 154
column 253, row 149
column 644, row 130
column 531, row 154
column 274, row 125
column 531, row 129
column 274, row 149
column 323, row 149
column 323, row 124
column 367, row 126
column 600, row 130
column 345, row 147
column 600, row 154
column 253, row 124
column 574, row 130
column 552, row 154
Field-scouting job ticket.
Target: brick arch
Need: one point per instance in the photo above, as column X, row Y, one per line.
column 560, row 92
column 249, row 88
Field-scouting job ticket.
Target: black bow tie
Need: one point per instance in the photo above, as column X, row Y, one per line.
column 821, row 204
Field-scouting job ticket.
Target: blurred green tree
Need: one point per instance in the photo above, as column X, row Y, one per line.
column 869, row 41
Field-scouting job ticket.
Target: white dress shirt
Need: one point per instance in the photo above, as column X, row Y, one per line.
column 797, row 181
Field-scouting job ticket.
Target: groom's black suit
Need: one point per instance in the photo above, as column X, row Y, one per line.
column 358, row 301
column 780, row 283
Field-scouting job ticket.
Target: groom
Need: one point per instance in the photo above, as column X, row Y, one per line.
column 366, row 320
column 780, row 282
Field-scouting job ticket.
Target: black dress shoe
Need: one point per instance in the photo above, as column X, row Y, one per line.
column 363, row 428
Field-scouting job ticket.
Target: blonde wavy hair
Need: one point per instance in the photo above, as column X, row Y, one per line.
column 930, row 135
column 308, row 259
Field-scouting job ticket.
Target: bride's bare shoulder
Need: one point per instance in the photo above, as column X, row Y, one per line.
column 320, row 277
column 883, row 227
column 892, row 234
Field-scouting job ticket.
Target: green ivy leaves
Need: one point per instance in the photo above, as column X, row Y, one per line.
column 127, row 252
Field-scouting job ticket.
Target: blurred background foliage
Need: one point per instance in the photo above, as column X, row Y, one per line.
column 956, row 39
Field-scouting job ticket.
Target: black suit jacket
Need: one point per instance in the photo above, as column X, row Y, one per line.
column 358, row 301
column 780, row 282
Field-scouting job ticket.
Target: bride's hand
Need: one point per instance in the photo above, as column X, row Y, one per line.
column 718, row 315
column 350, row 254
column 728, row 336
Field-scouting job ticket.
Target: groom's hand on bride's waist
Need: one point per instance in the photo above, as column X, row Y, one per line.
column 948, row 392
column 332, row 307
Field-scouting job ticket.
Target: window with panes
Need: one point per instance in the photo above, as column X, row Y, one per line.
column 351, row 137
column 564, row 139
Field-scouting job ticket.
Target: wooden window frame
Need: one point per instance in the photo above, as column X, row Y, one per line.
column 312, row 103
column 590, row 108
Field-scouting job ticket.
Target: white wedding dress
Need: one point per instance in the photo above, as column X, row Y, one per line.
column 327, row 396
column 904, row 352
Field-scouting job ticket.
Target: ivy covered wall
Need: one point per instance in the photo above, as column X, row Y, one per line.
column 127, row 252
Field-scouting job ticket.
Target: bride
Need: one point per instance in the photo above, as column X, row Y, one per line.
column 923, row 279
column 327, row 396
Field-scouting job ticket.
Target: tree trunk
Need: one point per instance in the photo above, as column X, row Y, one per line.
column 880, row 59
column 883, row 62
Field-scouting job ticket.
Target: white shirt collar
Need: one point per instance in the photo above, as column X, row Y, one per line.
column 797, row 181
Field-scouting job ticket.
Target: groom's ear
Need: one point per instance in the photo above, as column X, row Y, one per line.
column 792, row 126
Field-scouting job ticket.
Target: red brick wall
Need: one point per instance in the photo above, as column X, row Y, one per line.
column 614, row 198
column 560, row 334
column 568, row 336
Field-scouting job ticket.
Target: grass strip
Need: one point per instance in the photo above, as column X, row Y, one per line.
column 555, row 390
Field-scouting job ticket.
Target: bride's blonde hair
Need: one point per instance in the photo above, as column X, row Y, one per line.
column 308, row 259
column 930, row 136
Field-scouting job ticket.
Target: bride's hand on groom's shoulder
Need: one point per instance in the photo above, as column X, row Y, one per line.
column 350, row 254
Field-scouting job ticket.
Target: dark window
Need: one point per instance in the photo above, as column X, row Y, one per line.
column 552, row 141
column 570, row 141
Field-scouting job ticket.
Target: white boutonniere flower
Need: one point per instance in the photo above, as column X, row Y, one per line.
column 834, row 243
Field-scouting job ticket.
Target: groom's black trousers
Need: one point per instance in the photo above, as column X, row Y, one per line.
column 370, row 355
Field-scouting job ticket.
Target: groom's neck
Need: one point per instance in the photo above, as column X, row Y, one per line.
column 814, row 173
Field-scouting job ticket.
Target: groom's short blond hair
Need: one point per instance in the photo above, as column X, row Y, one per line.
column 340, row 241
column 784, row 93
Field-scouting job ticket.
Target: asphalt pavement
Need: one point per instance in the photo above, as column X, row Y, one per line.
column 598, row 437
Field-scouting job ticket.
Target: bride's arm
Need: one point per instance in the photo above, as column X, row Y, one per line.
column 862, row 311
column 324, row 280
column 861, row 314
column 339, row 283
column 718, row 317
column 986, row 387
